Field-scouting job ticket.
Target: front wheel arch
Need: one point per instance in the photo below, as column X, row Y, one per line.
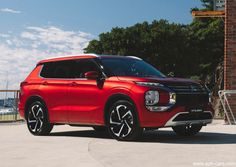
column 114, row 98
column 122, row 122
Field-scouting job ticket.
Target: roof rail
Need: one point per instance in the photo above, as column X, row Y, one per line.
column 135, row 57
column 86, row 54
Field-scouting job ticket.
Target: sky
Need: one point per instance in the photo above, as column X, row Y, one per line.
column 32, row 30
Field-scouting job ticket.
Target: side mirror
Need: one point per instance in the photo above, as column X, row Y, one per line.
column 91, row 75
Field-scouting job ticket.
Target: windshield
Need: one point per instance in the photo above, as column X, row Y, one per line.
column 129, row 67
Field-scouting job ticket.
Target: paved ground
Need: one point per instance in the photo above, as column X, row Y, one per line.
column 82, row 147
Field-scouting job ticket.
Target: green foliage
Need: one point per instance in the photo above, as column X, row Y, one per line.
column 192, row 50
column 208, row 4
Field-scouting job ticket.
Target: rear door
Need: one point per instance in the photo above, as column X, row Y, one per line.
column 56, row 78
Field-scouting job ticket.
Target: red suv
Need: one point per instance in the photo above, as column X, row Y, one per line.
column 121, row 94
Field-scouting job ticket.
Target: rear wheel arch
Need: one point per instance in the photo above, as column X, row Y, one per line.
column 117, row 97
column 33, row 99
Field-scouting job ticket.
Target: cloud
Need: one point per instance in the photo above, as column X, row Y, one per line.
column 4, row 35
column 8, row 10
column 19, row 54
column 55, row 38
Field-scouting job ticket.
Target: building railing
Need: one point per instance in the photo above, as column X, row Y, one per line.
column 9, row 105
column 227, row 99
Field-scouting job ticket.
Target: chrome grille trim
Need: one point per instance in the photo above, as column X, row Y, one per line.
column 188, row 89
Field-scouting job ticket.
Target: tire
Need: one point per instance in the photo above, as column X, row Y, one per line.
column 37, row 119
column 188, row 130
column 122, row 121
column 100, row 129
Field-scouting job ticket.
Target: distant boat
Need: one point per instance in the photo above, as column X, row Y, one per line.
column 7, row 106
column 6, row 110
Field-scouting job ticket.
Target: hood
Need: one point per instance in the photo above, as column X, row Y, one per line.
column 167, row 80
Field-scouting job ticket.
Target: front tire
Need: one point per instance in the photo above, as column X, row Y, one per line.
column 122, row 121
column 37, row 119
column 187, row 130
column 100, row 129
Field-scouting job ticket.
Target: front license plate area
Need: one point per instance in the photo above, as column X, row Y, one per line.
column 196, row 110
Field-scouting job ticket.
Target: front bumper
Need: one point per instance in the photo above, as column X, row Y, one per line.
column 186, row 118
column 174, row 117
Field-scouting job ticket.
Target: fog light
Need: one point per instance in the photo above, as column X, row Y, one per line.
column 172, row 98
column 151, row 97
column 157, row 108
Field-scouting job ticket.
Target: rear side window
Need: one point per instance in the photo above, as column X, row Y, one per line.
column 61, row 69
column 68, row 69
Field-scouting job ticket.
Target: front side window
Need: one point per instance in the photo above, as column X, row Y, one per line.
column 129, row 67
column 84, row 65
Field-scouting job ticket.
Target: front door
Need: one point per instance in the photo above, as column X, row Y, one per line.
column 84, row 94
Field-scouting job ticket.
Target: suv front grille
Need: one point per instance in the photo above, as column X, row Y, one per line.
column 190, row 94
column 188, row 89
column 192, row 99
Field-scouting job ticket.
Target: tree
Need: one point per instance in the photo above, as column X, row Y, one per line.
column 195, row 50
column 192, row 50
column 208, row 4
column 173, row 48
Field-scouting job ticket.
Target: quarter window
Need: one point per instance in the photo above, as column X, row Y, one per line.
column 68, row 69
column 60, row 69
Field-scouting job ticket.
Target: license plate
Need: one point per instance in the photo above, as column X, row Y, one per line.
column 194, row 110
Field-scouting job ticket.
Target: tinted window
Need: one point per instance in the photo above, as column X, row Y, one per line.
column 84, row 65
column 129, row 67
column 61, row 69
column 68, row 69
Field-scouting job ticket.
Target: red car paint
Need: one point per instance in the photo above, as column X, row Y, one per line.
column 83, row 101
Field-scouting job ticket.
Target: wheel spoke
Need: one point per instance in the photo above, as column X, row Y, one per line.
column 41, row 122
column 33, row 111
column 127, row 113
column 39, row 125
column 118, row 111
column 39, row 111
column 119, row 133
column 115, row 116
column 35, row 118
column 31, row 121
column 128, row 126
column 114, row 123
column 121, row 121
column 35, row 128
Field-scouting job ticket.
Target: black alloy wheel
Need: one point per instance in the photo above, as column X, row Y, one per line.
column 37, row 119
column 122, row 121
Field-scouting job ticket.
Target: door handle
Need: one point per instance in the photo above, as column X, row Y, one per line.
column 44, row 83
column 73, row 84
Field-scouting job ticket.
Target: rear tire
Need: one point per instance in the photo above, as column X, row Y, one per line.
column 187, row 130
column 37, row 119
column 122, row 121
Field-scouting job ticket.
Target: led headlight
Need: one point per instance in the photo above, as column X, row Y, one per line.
column 149, row 84
column 151, row 97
